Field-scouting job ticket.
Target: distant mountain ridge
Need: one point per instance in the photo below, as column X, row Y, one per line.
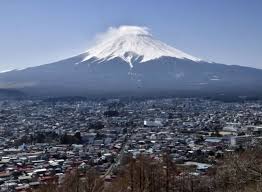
column 10, row 93
column 128, row 60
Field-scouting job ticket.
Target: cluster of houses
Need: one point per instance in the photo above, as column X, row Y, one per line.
column 42, row 141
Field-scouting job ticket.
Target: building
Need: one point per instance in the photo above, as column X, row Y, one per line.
column 243, row 140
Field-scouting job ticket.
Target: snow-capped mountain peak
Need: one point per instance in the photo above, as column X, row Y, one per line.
column 132, row 43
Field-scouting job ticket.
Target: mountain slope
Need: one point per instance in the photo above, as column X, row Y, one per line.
column 128, row 60
column 132, row 44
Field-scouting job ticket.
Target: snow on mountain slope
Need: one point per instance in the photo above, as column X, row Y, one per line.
column 132, row 43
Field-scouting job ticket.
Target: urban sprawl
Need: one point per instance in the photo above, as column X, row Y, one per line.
column 43, row 140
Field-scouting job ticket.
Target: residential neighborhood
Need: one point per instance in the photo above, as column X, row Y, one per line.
column 43, row 140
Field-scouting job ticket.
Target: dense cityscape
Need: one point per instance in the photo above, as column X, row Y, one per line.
column 43, row 140
column 131, row 96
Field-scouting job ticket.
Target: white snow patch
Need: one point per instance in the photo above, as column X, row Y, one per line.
column 8, row 70
column 132, row 43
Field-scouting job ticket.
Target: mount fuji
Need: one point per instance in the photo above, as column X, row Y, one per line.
column 128, row 60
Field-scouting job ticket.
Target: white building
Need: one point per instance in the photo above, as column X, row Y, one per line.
column 156, row 123
column 243, row 140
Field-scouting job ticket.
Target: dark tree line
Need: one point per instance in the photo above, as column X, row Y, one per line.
column 50, row 137
column 38, row 137
column 71, row 139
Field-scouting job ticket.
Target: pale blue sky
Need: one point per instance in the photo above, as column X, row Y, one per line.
column 37, row 32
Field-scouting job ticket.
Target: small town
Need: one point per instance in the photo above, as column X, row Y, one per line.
column 43, row 140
